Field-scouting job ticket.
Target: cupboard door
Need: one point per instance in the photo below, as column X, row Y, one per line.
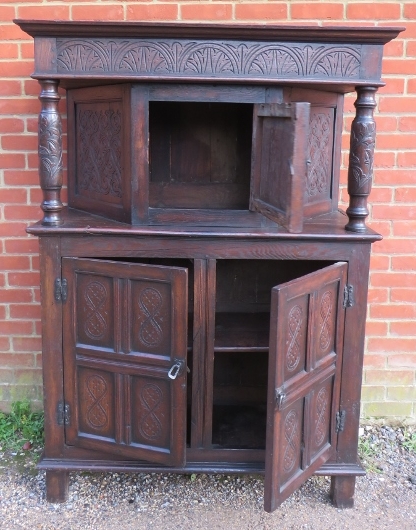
column 125, row 329
column 99, row 151
column 279, row 165
column 306, row 338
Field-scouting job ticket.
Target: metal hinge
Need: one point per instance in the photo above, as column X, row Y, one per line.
column 61, row 290
column 63, row 416
column 340, row 421
column 348, row 296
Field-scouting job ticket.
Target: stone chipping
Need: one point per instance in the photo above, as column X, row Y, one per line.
column 385, row 498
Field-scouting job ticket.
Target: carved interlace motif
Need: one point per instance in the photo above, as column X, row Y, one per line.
column 325, row 313
column 150, row 303
column 95, row 323
column 320, row 417
column 50, row 147
column 151, row 397
column 363, row 135
column 293, row 354
column 97, row 411
column 318, row 154
column 99, row 166
column 198, row 58
column 291, row 431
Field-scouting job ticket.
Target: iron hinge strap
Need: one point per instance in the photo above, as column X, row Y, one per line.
column 63, row 416
column 348, row 296
column 340, row 421
column 61, row 290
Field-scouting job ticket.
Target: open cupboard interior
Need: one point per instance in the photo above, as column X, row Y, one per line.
column 152, row 155
column 131, row 334
column 203, row 298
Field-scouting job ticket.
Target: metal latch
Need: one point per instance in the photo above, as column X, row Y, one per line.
column 280, row 397
column 175, row 370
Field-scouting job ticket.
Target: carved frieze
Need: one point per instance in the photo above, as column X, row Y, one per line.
column 192, row 58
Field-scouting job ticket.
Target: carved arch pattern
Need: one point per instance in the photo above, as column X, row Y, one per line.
column 201, row 58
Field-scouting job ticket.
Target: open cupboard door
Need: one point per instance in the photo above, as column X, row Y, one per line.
column 306, row 338
column 125, row 329
column 279, row 165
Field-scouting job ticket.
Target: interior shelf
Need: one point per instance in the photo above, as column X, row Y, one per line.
column 242, row 332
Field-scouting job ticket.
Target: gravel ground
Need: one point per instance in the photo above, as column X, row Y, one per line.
column 384, row 499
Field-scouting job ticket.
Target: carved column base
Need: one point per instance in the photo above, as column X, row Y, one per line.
column 357, row 213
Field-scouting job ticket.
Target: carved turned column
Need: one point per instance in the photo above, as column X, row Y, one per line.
column 50, row 152
column 360, row 171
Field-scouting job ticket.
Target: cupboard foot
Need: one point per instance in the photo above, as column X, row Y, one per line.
column 342, row 491
column 57, row 486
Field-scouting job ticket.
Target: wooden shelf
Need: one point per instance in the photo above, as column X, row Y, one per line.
column 242, row 332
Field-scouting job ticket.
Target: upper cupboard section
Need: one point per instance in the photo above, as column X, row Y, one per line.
column 204, row 154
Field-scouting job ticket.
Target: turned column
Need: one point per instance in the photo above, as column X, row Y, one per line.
column 360, row 170
column 50, row 152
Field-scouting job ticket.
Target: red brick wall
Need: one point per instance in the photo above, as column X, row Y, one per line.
column 390, row 361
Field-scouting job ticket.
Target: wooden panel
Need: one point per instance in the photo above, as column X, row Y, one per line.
column 302, row 407
column 122, row 403
column 323, row 149
column 95, row 324
column 279, row 162
column 151, row 413
column 96, row 403
column 319, row 155
column 52, row 359
column 150, row 317
column 293, row 341
column 99, row 151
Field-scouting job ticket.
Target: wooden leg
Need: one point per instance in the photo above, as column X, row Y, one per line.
column 342, row 491
column 57, row 486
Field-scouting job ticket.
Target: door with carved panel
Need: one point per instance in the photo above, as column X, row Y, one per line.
column 306, row 339
column 125, row 329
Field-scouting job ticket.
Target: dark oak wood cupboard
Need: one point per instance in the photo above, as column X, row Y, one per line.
column 203, row 299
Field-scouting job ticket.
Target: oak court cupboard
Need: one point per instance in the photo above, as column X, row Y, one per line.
column 203, row 299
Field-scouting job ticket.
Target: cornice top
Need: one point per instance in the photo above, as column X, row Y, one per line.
column 235, row 31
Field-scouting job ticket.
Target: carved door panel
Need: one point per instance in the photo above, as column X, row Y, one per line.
column 125, row 329
column 279, row 167
column 306, row 338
